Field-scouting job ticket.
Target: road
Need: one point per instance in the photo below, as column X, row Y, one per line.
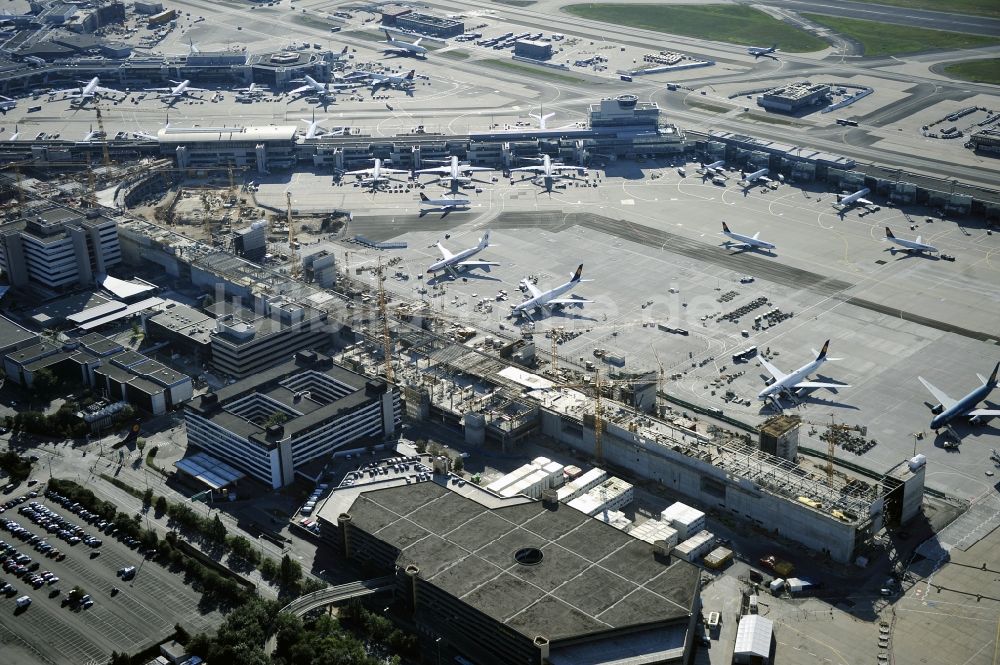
column 917, row 18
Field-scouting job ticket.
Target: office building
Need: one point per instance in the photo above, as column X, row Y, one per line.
column 13, row 336
column 523, row 584
column 433, row 26
column 795, row 97
column 278, row 420
column 533, row 49
column 58, row 248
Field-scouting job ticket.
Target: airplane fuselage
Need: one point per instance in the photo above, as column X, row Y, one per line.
column 542, row 299
column 855, row 197
column 444, row 264
column 962, row 406
column 785, row 384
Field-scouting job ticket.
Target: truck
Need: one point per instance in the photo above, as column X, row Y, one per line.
column 776, row 565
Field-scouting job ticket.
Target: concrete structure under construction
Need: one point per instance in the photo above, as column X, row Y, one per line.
column 522, row 584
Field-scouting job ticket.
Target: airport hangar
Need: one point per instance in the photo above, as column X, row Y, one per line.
column 619, row 128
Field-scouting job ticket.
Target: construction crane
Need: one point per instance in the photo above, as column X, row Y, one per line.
column 383, row 313
column 105, row 155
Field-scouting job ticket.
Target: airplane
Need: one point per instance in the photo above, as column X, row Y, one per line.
column 851, row 199
column 389, row 81
column 547, row 169
column 13, row 137
column 446, row 204
column 757, row 51
column 87, row 90
column 313, row 86
column 315, row 127
column 455, row 172
column 788, row 383
column 545, row 299
column 746, row 242
column 908, row 245
column 542, row 119
column 6, row 104
column 451, row 262
column 948, row 409
column 180, row 89
column 92, row 134
column 710, row 169
column 249, row 91
column 756, row 176
column 377, row 173
column 395, row 44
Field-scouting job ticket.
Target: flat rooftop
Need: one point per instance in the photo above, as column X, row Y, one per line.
column 590, row 578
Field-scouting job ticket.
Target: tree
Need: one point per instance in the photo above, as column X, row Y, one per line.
column 241, row 547
column 290, row 571
column 147, row 497
column 421, row 446
column 215, row 530
column 140, row 443
column 275, row 418
column 76, row 594
column 268, row 569
column 458, row 464
column 161, row 505
column 180, row 634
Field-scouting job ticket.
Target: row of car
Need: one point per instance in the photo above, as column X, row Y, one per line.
column 55, row 523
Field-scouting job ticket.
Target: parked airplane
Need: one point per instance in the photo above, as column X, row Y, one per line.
column 13, row 137
column 180, row 89
column 87, row 90
column 250, row 90
column 545, row 300
column 542, row 119
column 446, row 204
column 908, row 245
column 746, row 242
column 6, row 104
column 856, row 197
column 452, row 262
column 948, row 409
column 547, row 169
column 757, row 51
column 92, row 134
column 756, row 176
column 376, row 173
column 390, row 81
column 315, row 127
column 312, row 86
column 455, row 173
column 710, row 169
column 398, row 45
column 787, row 384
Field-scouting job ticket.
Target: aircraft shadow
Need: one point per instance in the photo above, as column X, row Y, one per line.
column 748, row 250
column 446, row 278
column 910, row 255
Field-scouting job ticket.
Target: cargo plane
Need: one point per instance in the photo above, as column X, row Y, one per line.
column 453, row 262
column 545, row 300
column 789, row 384
column 745, row 242
column 948, row 409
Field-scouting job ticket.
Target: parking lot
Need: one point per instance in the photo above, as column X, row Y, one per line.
column 144, row 609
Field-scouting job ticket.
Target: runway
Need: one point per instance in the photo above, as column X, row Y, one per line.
column 918, row 18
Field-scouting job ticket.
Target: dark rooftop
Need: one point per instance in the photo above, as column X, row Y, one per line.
column 12, row 335
column 591, row 577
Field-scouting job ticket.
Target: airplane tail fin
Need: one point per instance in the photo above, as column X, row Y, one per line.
column 409, row 77
column 822, row 352
column 725, row 228
column 485, row 242
column 423, row 197
column 993, row 376
column 344, row 52
column 578, row 274
column 387, row 37
column 888, row 233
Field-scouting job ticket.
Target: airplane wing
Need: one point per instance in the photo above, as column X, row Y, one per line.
column 532, row 289
column 417, row 43
column 984, row 412
column 474, row 169
column 772, row 370
column 567, row 301
column 939, row 394
column 563, row 167
column 533, row 169
column 303, row 88
column 77, row 90
column 385, row 170
column 754, row 236
column 820, row 384
column 359, row 172
column 158, row 89
column 445, row 254
column 918, row 239
column 105, row 90
column 480, row 264
column 437, row 169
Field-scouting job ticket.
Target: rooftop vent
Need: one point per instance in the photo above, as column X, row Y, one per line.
column 528, row 556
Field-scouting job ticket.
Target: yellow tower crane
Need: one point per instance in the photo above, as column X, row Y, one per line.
column 383, row 312
column 105, row 154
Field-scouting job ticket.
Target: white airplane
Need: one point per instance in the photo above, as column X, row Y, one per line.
column 313, row 86
column 180, row 89
column 746, row 242
column 756, row 176
column 390, row 81
column 544, row 300
column 455, row 173
column 757, row 51
column 249, row 91
column 710, row 169
column 15, row 134
column 452, row 262
column 395, row 44
column 949, row 409
column 856, row 197
column 446, row 204
column 376, row 173
column 547, row 169
column 542, row 119
column 6, row 104
column 908, row 245
column 315, row 127
column 787, row 384
column 87, row 90
column 92, row 134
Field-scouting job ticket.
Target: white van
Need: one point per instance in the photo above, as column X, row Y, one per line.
column 24, row 601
